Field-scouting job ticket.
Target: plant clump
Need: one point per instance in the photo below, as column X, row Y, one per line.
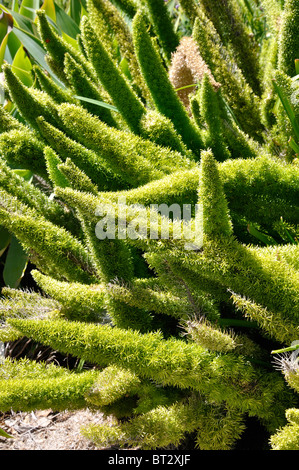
column 161, row 219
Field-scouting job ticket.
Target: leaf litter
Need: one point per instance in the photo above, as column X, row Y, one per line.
column 48, row 430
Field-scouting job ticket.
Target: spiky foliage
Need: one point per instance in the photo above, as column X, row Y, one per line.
column 286, row 437
column 162, row 92
column 288, row 38
column 39, row 381
column 146, row 220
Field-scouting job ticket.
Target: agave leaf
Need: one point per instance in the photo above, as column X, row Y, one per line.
column 3, row 49
column 293, row 347
column 66, row 23
column 267, row 239
column 124, row 66
column 73, row 42
column 14, row 5
column 294, row 145
column 23, row 22
column 16, row 21
column 5, row 237
column 75, row 11
column 49, row 7
column 84, row 4
column 284, row 232
column 96, row 102
column 13, row 45
column 33, row 45
column 15, row 264
column 4, row 434
column 26, row 174
column 35, row 49
column 288, row 108
column 22, row 67
column 28, row 8
column 6, row 24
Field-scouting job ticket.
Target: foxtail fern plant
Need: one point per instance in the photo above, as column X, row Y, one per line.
column 163, row 176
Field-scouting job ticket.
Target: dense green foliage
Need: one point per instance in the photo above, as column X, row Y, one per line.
column 174, row 315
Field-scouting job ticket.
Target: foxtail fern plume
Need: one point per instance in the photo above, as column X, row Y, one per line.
column 150, row 175
column 155, row 75
column 187, row 69
column 288, row 39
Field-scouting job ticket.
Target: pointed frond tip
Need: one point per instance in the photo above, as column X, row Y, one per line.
column 214, row 213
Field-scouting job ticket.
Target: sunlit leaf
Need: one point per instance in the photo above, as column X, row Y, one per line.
column 96, row 102
column 3, row 49
column 13, row 45
column 27, row 175
column 75, row 11
column 49, row 7
column 124, row 66
column 22, row 66
column 70, row 40
column 15, row 6
column 293, row 347
column 66, row 23
column 6, row 25
column 28, row 8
